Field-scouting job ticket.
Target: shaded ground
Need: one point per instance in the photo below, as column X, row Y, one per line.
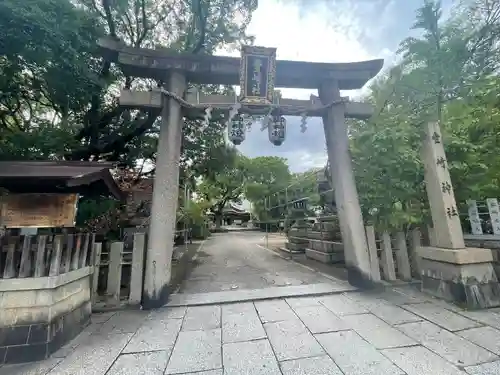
column 231, row 261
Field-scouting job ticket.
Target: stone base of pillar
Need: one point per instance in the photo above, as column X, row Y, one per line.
column 463, row 276
column 361, row 280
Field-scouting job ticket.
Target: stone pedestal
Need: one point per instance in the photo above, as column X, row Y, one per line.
column 449, row 270
column 463, row 276
column 297, row 238
column 41, row 314
column 325, row 251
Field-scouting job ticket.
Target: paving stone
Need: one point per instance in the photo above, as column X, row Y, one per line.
column 155, row 334
column 487, row 337
column 319, row 319
column 38, row 368
column 196, row 351
column 354, row 356
column 94, row 358
column 492, row 368
column 82, row 339
column 202, row 318
column 417, row 360
column 341, row 305
column 290, row 339
column 377, row 332
column 302, row 302
column 102, row 317
column 243, row 295
column 274, row 311
column 413, row 294
column 400, row 297
column 140, row 364
column 487, row 317
column 249, row 358
column 448, row 345
column 442, row 317
column 168, row 313
column 310, row 366
column 123, row 322
column 241, row 323
column 386, row 311
column 237, row 308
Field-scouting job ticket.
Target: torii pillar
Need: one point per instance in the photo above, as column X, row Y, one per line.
column 165, row 198
column 356, row 253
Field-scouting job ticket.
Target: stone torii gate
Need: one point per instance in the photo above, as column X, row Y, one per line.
column 176, row 70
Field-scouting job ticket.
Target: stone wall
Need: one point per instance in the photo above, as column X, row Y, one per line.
column 320, row 241
column 39, row 315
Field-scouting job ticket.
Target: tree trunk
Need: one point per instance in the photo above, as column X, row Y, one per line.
column 218, row 221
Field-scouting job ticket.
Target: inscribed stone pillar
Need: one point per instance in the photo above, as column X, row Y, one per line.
column 346, row 195
column 450, row 270
column 447, row 227
column 165, row 198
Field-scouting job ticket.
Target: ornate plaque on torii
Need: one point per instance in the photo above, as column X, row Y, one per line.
column 257, row 75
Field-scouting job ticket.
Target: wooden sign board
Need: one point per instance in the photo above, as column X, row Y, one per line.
column 39, row 210
column 257, row 75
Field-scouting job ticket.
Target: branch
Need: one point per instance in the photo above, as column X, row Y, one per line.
column 202, row 27
column 115, row 143
column 106, row 4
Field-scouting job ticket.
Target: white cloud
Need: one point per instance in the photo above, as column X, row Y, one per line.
column 319, row 34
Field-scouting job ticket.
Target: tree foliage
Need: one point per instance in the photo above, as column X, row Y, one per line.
column 447, row 73
column 59, row 97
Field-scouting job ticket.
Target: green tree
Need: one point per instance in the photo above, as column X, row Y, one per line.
column 445, row 74
column 225, row 185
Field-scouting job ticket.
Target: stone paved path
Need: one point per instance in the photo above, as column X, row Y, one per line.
column 229, row 261
column 342, row 331
column 399, row 331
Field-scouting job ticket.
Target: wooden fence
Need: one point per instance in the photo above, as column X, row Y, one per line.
column 393, row 255
column 44, row 255
column 119, row 270
column 483, row 217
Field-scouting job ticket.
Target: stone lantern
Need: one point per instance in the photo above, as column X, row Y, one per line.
column 277, row 130
column 236, row 130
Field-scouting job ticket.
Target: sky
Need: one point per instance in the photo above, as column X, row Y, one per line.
column 324, row 31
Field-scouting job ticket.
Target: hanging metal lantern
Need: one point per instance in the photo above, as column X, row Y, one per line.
column 236, row 130
column 277, row 130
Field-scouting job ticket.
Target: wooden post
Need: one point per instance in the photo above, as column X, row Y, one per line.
column 137, row 272
column 40, row 266
column 493, row 210
column 416, row 242
column 432, row 236
column 96, row 263
column 372, row 250
column 9, row 272
column 402, row 257
column 76, row 255
column 55, row 261
column 387, row 258
column 115, row 270
column 475, row 220
column 69, row 239
column 85, row 251
column 25, row 264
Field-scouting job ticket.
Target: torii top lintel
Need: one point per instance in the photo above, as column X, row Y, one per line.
column 153, row 63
